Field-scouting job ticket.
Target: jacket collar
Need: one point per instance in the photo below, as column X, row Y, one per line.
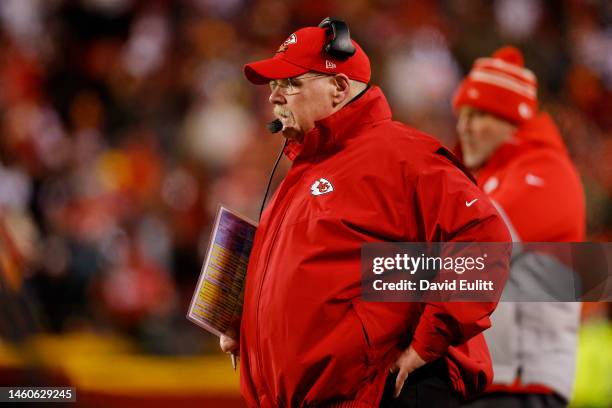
column 540, row 132
column 330, row 133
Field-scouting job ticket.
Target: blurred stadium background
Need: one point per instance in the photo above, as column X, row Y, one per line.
column 123, row 123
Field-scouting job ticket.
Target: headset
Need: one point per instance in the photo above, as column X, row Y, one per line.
column 339, row 44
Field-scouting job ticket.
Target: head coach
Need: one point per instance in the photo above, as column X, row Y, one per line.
column 306, row 337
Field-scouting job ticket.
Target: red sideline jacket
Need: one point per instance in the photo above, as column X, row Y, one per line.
column 306, row 337
column 536, row 184
column 538, row 190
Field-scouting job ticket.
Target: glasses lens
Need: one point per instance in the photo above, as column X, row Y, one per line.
column 283, row 85
column 287, row 87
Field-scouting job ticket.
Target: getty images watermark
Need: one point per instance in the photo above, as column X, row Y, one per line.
column 427, row 265
column 443, row 272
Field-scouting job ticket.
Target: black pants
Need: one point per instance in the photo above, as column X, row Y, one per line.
column 503, row 400
column 426, row 387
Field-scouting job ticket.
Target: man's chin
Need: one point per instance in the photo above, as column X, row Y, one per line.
column 292, row 133
column 473, row 162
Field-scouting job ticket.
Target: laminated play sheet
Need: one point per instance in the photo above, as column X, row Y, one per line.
column 217, row 301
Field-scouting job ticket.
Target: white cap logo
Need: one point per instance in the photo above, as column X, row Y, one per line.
column 473, row 93
column 291, row 40
column 329, row 64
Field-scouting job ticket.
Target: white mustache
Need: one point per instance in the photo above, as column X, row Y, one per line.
column 281, row 113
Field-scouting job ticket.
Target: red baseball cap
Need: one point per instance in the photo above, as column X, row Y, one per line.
column 302, row 52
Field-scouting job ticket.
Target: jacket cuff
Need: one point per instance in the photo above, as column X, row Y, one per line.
column 429, row 346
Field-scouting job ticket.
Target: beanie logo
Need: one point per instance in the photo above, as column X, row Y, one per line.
column 291, row 40
column 524, row 110
column 473, row 93
column 329, row 65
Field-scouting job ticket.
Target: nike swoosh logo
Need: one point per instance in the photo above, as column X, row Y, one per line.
column 469, row 203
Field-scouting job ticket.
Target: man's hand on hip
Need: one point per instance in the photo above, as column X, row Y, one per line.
column 406, row 363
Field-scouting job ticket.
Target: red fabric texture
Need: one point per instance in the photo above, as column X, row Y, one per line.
column 306, row 336
column 302, row 52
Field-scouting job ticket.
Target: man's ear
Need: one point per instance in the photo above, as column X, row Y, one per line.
column 342, row 89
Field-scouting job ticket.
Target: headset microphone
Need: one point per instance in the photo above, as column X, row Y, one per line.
column 275, row 126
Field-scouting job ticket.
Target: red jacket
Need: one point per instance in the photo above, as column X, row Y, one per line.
column 533, row 179
column 306, row 336
column 538, row 190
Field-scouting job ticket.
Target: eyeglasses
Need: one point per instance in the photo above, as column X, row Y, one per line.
column 291, row 86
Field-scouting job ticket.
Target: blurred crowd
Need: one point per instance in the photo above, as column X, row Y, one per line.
column 123, row 124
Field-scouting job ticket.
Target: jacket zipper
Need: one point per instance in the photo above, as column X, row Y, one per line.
column 261, row 283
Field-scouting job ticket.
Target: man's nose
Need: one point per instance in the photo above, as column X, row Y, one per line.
column 276, row 97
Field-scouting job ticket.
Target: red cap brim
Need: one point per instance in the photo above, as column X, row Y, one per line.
column 262, row 72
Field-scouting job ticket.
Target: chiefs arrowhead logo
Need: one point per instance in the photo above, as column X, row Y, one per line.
column 321, row 186
column 291, row 40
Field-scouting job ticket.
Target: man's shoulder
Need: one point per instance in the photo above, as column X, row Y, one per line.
column 395, row 148
column 543, row 160
column 539, row 176
column 396, row 139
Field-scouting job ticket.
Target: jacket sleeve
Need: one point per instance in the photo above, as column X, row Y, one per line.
column 451, row 208
column 529, row 195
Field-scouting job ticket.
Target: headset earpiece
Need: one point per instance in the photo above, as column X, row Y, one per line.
column 339, row 43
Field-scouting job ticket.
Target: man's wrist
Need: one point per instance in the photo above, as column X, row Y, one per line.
column 428, row 353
